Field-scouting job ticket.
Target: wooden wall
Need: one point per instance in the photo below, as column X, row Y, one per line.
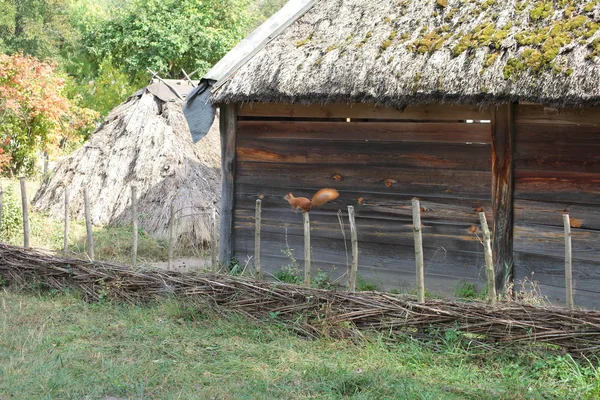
column 557, row 169
column 378, row 160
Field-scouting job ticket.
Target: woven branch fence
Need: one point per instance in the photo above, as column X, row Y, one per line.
column 313, row 312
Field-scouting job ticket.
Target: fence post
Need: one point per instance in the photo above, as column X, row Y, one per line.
column 306, row 221
column 66, row 231
column 257, row 226
column 25, row 213
column 215, row 241
column 171, row 236
column 489, row 262
column 134, row 217
column 354, row 239
column 568, row 263
column 1, row 206
column 416, row 215
column 88, row 224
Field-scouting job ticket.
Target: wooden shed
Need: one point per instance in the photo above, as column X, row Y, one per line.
column 469, row 106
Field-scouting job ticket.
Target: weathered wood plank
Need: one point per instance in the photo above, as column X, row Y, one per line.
column 415, row 182
column 227, row 122
column 364, row 111
column 553, row 186
column 536, row 114
column 549, row 213
column 549, row 241
column 502, row 192
column 435, row 132
column 419, row 155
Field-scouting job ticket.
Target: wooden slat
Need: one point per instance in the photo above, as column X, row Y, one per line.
column 536, row 114
column 502, row 193
column 363, row 111
column 553, row 186
column 228, row 138
column 447, row 132
column 414, row 182
column 549, row 213
column 419, row 155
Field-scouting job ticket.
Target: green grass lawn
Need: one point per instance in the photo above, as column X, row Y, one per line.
column 55, row 346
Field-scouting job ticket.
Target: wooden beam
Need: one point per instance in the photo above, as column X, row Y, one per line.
column 502, row 192
column 228, row 127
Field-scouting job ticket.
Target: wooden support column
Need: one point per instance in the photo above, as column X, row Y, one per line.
column 228, row 123
column 503, row 133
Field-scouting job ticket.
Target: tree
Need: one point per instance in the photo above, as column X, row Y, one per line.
column 34, row 114
column 168, row 35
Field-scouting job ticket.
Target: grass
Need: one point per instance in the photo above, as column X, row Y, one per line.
column 54, row 346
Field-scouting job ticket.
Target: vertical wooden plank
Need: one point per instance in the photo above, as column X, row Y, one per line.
column 228, row 123
column 171, row 236
column 503, row 133
column 354, row 240
column 88, row 224
column 489, row 260
column 134, row 226
column 306, row 221
column 257, row 223
column 25, row 207
column 416, row 214
column 568, row 263
column 66, row 231
column 214, row 246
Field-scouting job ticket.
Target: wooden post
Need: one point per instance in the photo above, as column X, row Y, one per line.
column 24, row 205
column 1, row 206
column 489, row 261
column 228, row 124
column 416, row 214
column 215, row 241
column 171, row 236
column 568, row 263
column 88, row 224
column 503, row 133
column 134, row 217
column 306, row 220
column 66, row 231
column 257, row 223
column 354, row 239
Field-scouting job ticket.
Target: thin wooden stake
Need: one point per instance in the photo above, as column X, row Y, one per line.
column 489, row 262
column 257, row 226
column 88, row 224
column 66, row 231
column 416, row 214
column 354, row 238
column 25, row 213
column 214, row 241
column 306, row 220
column 568, row 263
column 1, row 206
column 171, row 236
column 134, row 217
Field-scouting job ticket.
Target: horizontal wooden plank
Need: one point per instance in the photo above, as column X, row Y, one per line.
column 556, row 134
column 415, row 182
column 417, row 155
column 537, row 114
column 447, row 132
column 364, row 111
column 384, row 207
column 557, row 186
column 549, row 241
column 549, row 213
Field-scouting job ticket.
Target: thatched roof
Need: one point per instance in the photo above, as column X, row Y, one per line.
column 399, row 52
column 143, row 142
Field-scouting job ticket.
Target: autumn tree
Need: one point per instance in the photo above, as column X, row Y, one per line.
column 34, row 114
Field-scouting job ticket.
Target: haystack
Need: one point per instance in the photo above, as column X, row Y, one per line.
column 144, row 142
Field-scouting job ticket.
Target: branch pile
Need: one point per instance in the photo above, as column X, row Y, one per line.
column 313, row 312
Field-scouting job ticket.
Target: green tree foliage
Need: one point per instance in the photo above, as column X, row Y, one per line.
column 34, row 114
column 168, row 35
column 260, row 10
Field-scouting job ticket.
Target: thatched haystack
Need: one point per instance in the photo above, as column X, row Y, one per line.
column 143, row 142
